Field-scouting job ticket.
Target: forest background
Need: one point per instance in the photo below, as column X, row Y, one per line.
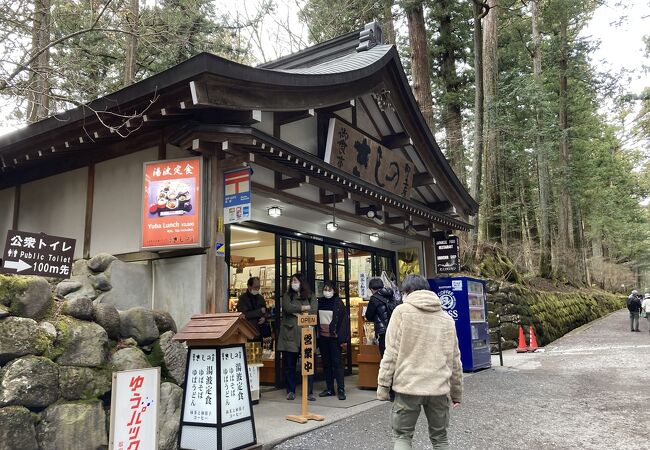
column 553, row 143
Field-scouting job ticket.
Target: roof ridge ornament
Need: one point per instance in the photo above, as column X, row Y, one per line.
column 370, row 36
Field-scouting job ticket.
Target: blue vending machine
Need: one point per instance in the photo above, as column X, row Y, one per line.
column 465, row 299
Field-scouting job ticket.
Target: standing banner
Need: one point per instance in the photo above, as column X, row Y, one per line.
column 172, row 204
column 237, row 196
column 217, row 412
column 447, row 254
column 134, row 409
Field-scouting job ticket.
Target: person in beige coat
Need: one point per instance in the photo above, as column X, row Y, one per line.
column 422, row 364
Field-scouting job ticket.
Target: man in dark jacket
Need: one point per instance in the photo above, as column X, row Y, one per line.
column 634, row 306
column 252, row 304
column 377, row 311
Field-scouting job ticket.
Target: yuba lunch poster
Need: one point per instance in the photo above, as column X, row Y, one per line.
column 172, row 203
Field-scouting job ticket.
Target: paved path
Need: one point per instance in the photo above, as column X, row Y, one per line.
column 589, row 390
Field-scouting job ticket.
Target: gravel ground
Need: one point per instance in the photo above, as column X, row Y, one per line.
column 589, row 390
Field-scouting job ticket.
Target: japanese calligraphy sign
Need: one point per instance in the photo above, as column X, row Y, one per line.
column 134, row 409
column 354, row 152
column 307, row 349
column 201, row 404
column 217, row 412
column 447, row 254
column 235, row 402
column 237, row 196
column 38, row 254
column 172, row 204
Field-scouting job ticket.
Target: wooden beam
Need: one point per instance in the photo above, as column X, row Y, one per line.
column 326, row 209
column 285, row 117
column 88, row 225
column 440, row 206
column 422, row 227
column 328, row 110
column 396, row 140
column 216, row 276
column 199, row 92
column 289, row 183
column 329, row 199
column 422, row 179
column 14, row 223
column 395, row 220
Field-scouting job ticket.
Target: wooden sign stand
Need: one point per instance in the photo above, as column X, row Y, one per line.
column 306, row 321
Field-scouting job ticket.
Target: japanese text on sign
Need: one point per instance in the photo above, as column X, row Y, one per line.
column 134, row 411
column 235, row 401
column 237, row 196
column 38, row 254
column 307, row 339
column 171, row 215
column 201, row 395
column 354, row 152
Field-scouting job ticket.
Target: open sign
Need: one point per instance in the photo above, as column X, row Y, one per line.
column 307, row 320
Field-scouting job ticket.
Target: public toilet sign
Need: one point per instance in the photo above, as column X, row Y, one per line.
column 38, row 254
column 360, row 155
column 447, row 254
column 134, row 409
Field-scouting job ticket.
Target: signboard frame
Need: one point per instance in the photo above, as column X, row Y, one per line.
column 156, row 402
column 240, row 204
column 62, row 259
column 450, row 240
column 201, row 203
column 217, row 405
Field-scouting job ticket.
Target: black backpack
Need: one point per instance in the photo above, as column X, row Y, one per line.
column 391, row 304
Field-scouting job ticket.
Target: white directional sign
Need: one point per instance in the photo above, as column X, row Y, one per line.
column 37, row 254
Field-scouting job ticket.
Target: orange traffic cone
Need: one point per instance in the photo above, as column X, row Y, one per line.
column 522, row 341
column 533, row 340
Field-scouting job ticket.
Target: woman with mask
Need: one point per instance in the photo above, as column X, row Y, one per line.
column 333, row 331
column 297, row 300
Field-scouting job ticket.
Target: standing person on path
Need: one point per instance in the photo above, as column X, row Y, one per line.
column 253, row 305
column 634, row 306
column 297, row 300
column 333, row 332
column 377, row 311
column 422, row 363
column 645, row 306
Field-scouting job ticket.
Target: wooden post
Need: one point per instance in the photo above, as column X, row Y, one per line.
column 216, row 279
column 90, row 195
column 306, row 321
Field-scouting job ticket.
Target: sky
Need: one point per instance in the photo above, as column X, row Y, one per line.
column 621, row 44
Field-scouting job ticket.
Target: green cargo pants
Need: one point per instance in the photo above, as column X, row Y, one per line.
column 406, row 409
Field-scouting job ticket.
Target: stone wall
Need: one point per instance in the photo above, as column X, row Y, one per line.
column 58, row 350
column 552, row 314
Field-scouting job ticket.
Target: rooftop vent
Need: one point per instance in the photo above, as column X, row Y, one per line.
column 370, row 36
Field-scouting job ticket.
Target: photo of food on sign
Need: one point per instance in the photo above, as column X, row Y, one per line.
column 171, row 197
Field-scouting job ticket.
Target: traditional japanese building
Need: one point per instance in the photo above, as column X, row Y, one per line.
column 319, row 162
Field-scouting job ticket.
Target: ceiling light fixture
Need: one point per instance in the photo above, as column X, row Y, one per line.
column 332, row 226
column 245, row 230
column 275, row 211
column 238, row 244
column 374, row 237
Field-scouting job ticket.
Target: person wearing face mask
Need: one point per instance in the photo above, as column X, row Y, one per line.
column 333, row 332
column 297, row 300
column 253, row 305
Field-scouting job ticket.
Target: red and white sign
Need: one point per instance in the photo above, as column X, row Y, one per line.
column 172, row 204
column 237, row 196
column 134, row 409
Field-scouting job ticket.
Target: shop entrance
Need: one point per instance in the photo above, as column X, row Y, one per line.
column 275, row 254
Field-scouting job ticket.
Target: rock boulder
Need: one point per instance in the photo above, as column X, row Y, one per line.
column 20, row 336
column 100, row 282
column 17, row 429
column 174, row 357
column 139, row 323
column 31, row 381
column 169, row 416
column 79, row 308
column 82, row 344
column 66, row 287
column 35, row 301
column 164, row 321
column 100, row 262
column 73, row 426
column 130, row 358
column 78, row 383
column 109, row 319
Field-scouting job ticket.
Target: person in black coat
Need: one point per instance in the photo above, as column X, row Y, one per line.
column 377, row 310
column 333, row 332
column 253, row 305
